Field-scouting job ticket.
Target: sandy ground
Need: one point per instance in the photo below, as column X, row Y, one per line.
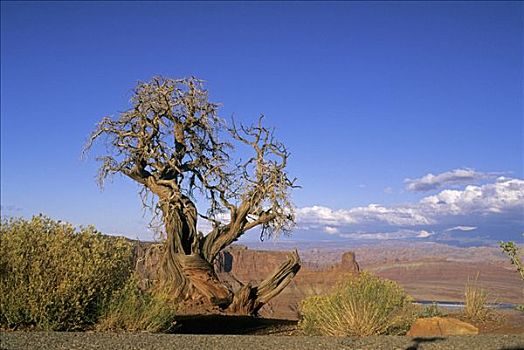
column 131, row 341
column 506, row 331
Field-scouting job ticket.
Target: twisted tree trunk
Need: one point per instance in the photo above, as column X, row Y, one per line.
column 187, row 267
column 189, row 275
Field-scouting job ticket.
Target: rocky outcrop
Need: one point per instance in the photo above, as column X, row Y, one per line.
column 348, row 262
column 441, row 326
column 247, row 264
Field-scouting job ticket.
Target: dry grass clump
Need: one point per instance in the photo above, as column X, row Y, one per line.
column 135, row 309
column 476, row 301
column 361, row 306
column 55, row 277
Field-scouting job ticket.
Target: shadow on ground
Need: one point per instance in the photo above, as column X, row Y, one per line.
column 225, row 324
column 419, row 340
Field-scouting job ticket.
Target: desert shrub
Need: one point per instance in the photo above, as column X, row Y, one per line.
column 361, row 306
column 135, row 309
column 432, row 310
column 514, row 253
column 55, row 277
column 475, row 301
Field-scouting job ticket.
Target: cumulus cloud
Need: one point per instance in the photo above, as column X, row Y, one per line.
column 404, row 216
column 454, row 177
column 330, row 229
column 503, row 198
column 502, row 195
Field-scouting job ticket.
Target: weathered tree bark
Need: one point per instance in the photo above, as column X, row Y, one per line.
column 188, row 274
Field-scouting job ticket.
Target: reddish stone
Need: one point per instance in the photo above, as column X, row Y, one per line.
column 438, row 326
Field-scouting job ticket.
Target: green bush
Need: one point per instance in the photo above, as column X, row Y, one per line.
column 514, row 253
column 361, row 306
column 55, row 277
column 432, row 310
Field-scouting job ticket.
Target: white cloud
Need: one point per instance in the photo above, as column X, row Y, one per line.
column 461, row 228
column 398, row 234
column 330, row 229
column 454, row 177
column 405, row 216
column 424, row 234
column 503, row 199
column 502, row 195
column 323, row 215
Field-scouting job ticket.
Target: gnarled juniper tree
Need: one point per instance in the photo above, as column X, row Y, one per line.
column 171, row 142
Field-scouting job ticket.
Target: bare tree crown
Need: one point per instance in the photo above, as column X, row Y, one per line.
column 172, row 142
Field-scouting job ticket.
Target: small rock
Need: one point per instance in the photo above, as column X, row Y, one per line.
column 436, row 326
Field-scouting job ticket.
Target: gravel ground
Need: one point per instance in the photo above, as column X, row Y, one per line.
column 128, row 341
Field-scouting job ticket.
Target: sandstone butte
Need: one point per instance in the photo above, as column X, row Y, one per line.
column 439, row 326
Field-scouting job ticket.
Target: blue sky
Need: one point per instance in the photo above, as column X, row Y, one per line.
column 366, row 95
